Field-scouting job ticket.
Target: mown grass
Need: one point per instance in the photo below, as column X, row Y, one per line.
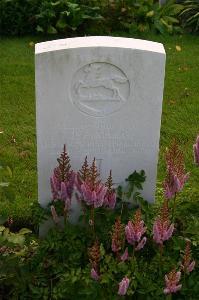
column 180, row 118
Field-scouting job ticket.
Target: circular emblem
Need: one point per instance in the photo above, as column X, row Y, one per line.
column 99, row 89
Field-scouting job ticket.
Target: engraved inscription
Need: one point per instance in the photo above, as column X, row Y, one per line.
column 99, row 141
column 99, row 89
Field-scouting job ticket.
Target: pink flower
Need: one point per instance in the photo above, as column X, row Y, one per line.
column 176, row 176
column 94, row 274
column 174, row 184
column 125, row 255
column 54, row 214
column 135, row 230
column 171, row 281
column 117, row 236
column 62, row 190
column 63, row 179
column 191, row 266
column 110, row 197
column 196, row 151
column 93, row 196
column 90, row 188
column 141, row 244
column 162, row 228
column 114, row 246
column 162, row 231
column 187, row 265
column 123, row 286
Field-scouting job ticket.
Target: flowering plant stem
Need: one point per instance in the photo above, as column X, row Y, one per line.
column 184, row 280
column 169, row 297
column 65, row 219
column 92, row 220
column 133, row 253
column 161, row 247
column 83, row 208
column 174, row 207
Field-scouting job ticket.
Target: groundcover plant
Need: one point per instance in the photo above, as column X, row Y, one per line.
column 121, row 247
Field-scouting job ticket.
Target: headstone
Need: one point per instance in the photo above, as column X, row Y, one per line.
column 102, row 97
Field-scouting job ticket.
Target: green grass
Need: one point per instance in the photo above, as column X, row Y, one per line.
column 180, row 118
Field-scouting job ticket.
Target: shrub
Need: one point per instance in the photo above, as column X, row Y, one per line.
column 190, row 15
column 147, row 15
column 136, row 250
column 65, row 16
column 18, row 16
column 93, row 17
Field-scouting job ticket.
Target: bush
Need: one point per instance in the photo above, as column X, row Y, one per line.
column 125, row 247
column 190, row 15
column 93, row 17
column 18, row 16
column 65, row 16
column 148, row 15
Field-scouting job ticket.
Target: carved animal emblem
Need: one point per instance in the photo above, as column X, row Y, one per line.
column 94, row 80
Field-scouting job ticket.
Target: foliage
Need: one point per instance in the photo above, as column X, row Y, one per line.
column 18, row 16
column 190, row 15
column 82, row 261
column 147, row 15
column 88, row 17
column 65, row 16
column 57, row 267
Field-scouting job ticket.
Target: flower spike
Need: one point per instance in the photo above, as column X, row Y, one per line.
column 172, row 282
column 162, row 228
column 117, row 236
column 110, row 197
column 63, row 179
column 187, row 265
column 135, row 230
column 123, row 286
column 176, row 176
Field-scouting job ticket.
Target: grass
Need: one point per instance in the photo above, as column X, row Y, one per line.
column 180, row 118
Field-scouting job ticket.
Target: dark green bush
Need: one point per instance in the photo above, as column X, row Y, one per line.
column 147, row 15
column 65, row 16
column 18, row 16
column 190, row 15
column 96, row 17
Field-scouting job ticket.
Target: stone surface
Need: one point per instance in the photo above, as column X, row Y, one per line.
column 102, row 97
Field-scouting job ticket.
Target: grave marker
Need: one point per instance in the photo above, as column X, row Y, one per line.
column 102, row 97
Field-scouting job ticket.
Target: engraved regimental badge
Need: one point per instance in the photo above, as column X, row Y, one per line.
column 100, row 89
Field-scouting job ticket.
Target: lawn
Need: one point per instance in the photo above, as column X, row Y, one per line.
column 180, row 118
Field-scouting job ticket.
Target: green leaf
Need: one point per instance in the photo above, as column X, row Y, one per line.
column 16, row 239
column 150, row 14
column 24, row 231
column 4, row 184
column 120, row 191
column 61, row 24
column 2, row 228
column 39, row 29
column 102, row 250
column 3, row 219
column 51, row 30
column 9, row 171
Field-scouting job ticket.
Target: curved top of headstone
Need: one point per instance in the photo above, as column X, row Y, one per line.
column 98, row 41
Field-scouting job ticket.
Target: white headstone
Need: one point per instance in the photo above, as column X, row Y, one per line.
column 102, row 97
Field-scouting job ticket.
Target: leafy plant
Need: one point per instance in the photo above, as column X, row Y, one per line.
column 6, row 236
column 18, row 16
column 64, row 16
column 190, row 15
column 147, row 15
